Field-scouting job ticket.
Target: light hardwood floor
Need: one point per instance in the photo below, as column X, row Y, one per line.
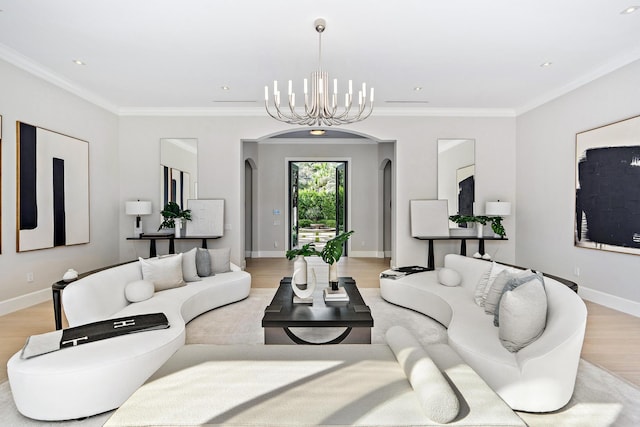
column 612, row 339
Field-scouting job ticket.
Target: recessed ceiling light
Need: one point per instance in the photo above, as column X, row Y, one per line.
column 317, row 132
column 225, row 87
column 417, row 88
column 629, row 10
column 79, row 62
column 546, row 64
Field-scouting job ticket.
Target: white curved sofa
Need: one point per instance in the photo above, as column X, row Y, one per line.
column 97, row 377
column 538, row 378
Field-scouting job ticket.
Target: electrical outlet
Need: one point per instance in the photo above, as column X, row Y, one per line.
column 29, row 277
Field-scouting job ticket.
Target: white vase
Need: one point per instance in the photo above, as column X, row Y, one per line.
column 300, row 264
column 333, row 275
column 480, row 229
column 307, row 292
column 178, row 228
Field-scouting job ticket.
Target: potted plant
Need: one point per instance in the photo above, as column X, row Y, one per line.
column 331, row 254
column 300, row 264
column 496, row 222
column 171, row 213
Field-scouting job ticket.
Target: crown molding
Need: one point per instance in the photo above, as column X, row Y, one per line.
column 30, row 66
column 601, row 71
column 260, row 112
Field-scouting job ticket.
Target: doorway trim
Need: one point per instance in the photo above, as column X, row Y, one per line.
column 287, row 160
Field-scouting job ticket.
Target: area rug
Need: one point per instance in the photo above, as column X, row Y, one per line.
column 600, row 398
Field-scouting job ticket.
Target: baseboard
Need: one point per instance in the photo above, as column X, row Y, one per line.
column 24, row 301
column 611, row 301
column 268, row 254
column 366, row 254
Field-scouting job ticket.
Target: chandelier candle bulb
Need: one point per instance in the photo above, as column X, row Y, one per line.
column 320, row 85
column 335, row 86
column 275, row 87
column 305, row 86
column 290, row 87
column 266, row 93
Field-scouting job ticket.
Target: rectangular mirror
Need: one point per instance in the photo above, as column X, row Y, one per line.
column 456, row 175
column 178, row 171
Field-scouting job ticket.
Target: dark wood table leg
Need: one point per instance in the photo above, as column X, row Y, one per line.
column 152, row 248
column 57, row 309
column 204, row 243
column 463, row 247
column 431, row 264
column 481, row 246
column 172, row 246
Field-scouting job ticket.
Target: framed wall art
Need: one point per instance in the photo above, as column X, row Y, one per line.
column 607, row 202
column 53, row 189
column 207, row 217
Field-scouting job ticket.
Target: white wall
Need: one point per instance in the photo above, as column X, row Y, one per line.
column 31, row 100
column 546, row 188
column 221, row 169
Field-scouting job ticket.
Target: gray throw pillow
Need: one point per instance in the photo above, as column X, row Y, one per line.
column 497, row 288
column 220, row 260
column 511, row 285
column 523, row 315
column 203, row 262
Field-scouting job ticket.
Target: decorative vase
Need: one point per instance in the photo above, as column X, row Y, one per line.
column 300, row 264
column 70, row 275
column 178, row 228
column 307, row 293
column 480, row 229
column 333, row 276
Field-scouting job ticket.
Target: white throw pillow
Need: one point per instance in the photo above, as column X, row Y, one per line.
column 495, row 270
column 164, row 272
column 523, row 315
column 139, row 290
column 449, row 277
column 482, row 284
column 220, row 260
column 505, row 278
column 189, row 270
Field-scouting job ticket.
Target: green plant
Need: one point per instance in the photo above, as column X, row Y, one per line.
column 332, row 250
column 170, row 213
column 496, row 222
column 306, row 250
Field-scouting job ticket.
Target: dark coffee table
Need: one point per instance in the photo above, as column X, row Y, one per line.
column 282, row 315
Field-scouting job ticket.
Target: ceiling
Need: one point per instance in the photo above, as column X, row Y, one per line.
column 155, row 56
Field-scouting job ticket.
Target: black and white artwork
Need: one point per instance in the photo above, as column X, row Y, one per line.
column 53, row 189
column 607, row 204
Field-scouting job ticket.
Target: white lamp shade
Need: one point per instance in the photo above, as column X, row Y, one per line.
column 138, row 208
column 498, row 208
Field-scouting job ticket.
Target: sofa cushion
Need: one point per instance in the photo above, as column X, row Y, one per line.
column 164, row 272
column 203, row 262
column 511, row 285
column 189, row 269
column 439, row 402
column 139, row 290
column 449, row 277
column 523, row 315
column 496, row 269
column 505, row 278
column 220, row 260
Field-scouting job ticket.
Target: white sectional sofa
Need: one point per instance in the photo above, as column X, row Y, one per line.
column 97, row 377
column 538, row 378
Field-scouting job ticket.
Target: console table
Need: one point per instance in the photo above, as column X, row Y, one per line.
column 463, row 245
column 171, row 238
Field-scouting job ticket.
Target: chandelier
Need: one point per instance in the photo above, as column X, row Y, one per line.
column 320, row 107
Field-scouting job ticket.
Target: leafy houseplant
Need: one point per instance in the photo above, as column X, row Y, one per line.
column 332, row 250
column 496, row 222
column 171, row 212
column 306, row 250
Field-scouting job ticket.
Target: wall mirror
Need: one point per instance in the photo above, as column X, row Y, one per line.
column 456, row 175
column 178, row 171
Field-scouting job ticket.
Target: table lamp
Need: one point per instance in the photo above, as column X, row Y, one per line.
column 137, row 208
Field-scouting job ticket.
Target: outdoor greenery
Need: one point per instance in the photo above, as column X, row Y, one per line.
column 317, row 193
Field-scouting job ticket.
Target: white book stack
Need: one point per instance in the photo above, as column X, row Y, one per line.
column 339, row 295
